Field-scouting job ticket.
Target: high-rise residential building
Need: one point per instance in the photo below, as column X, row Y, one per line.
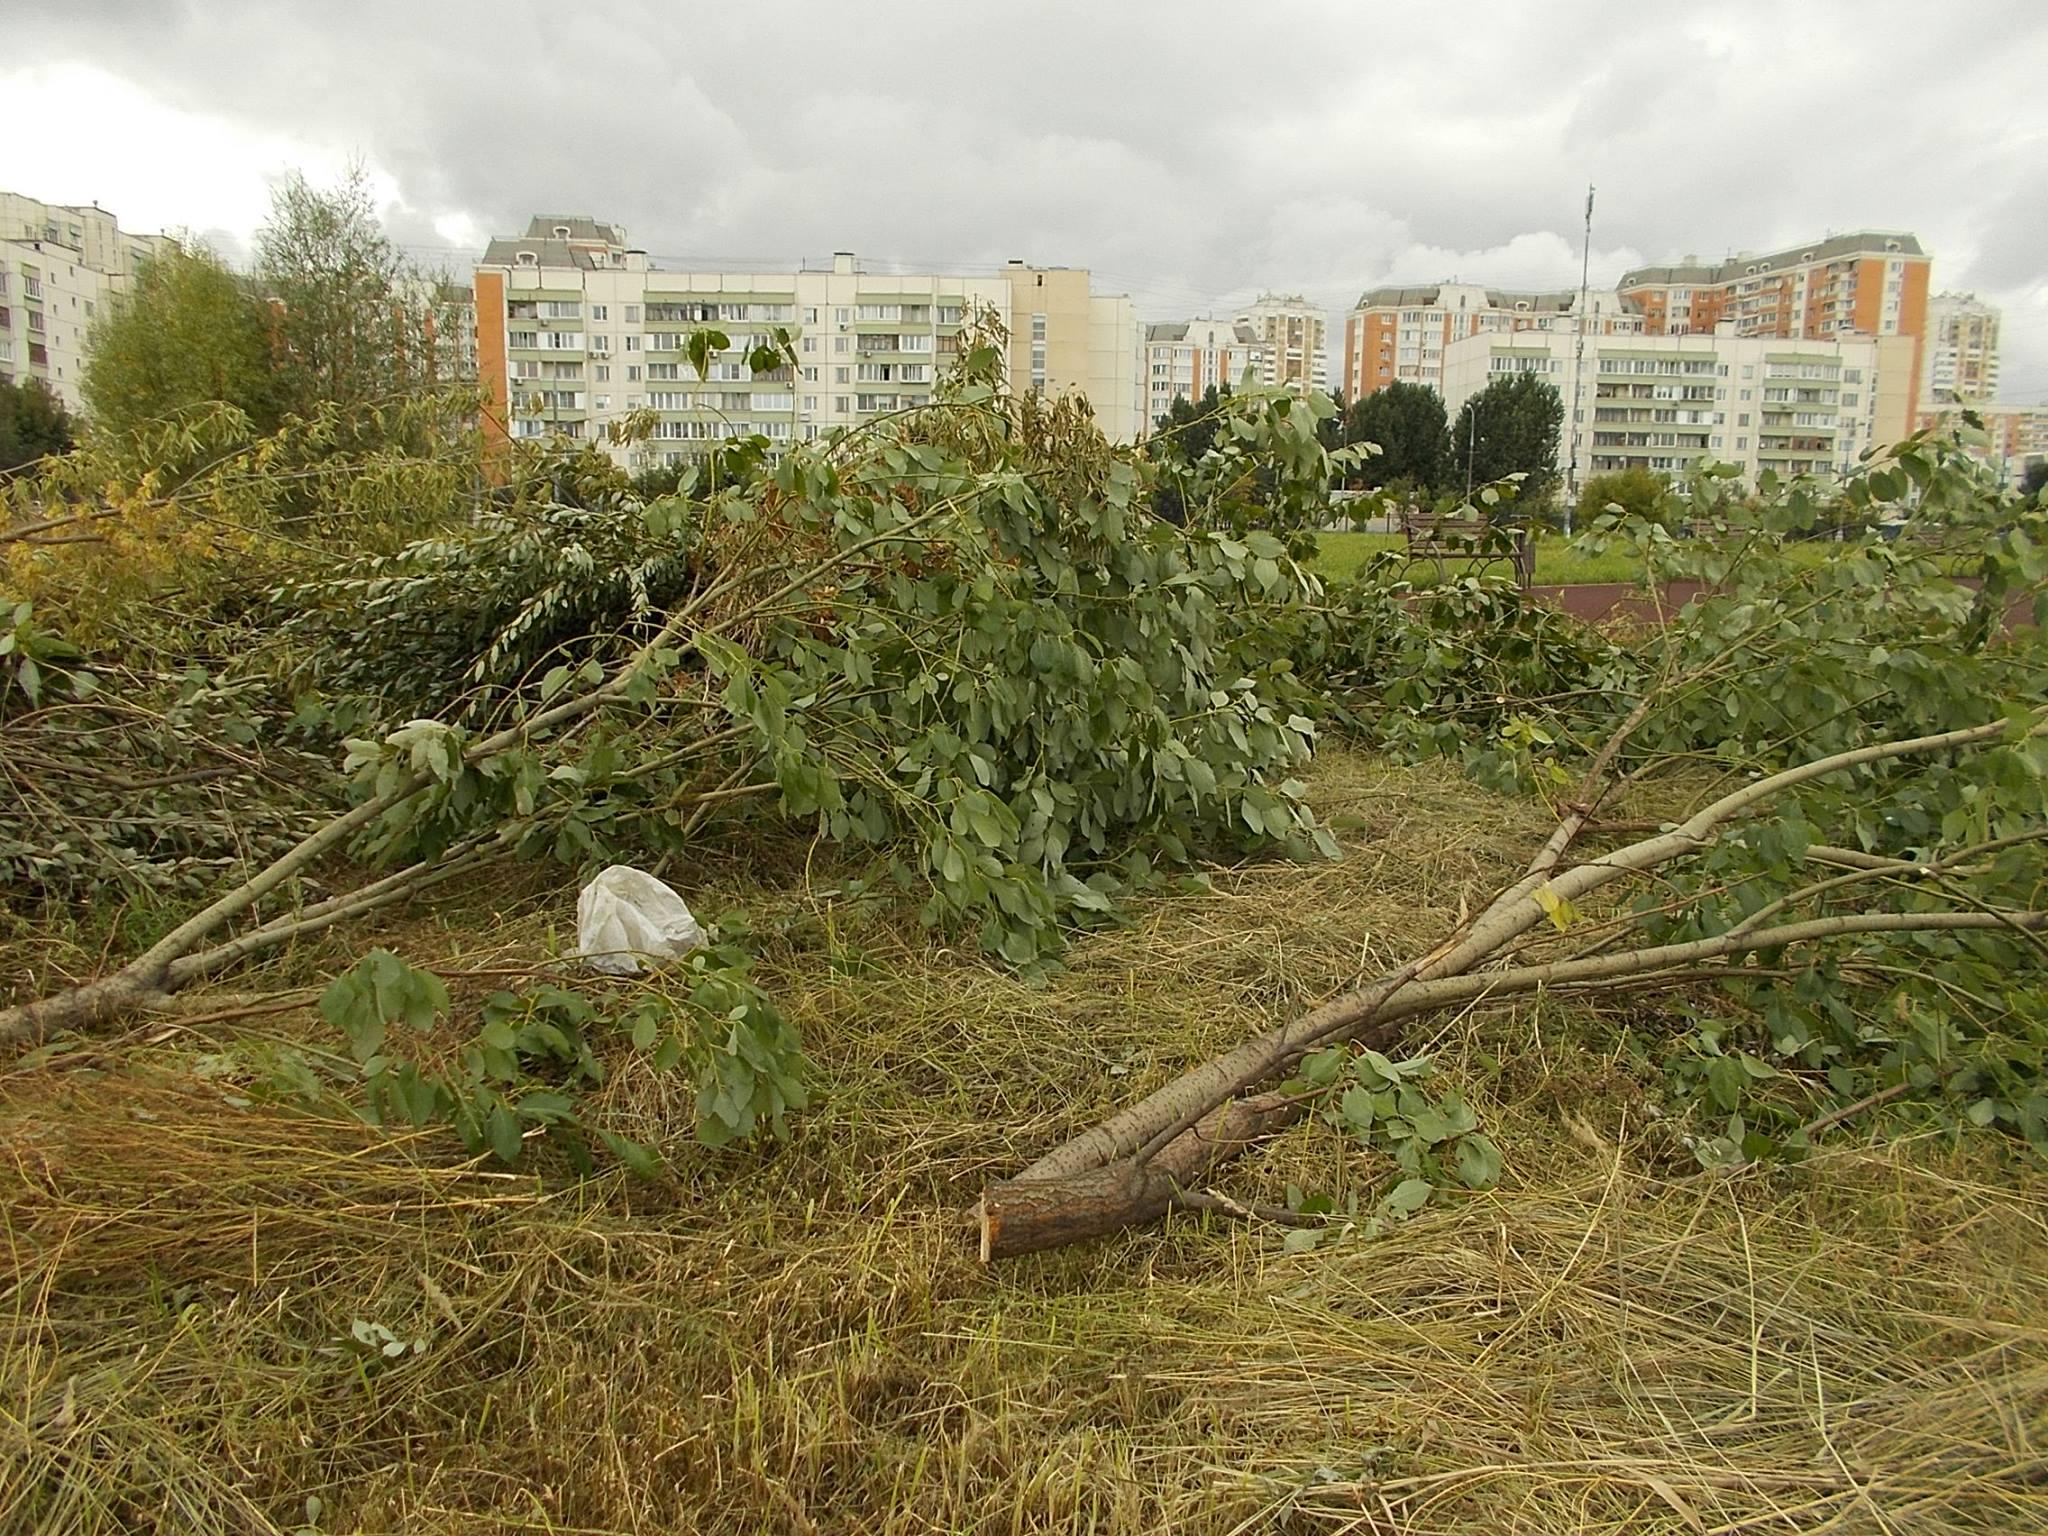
column 1865, row 283
column 575, row 330
column 2019, row 433
column 1962, row 349
column 1184, row 358
column 1398, row 335
column 1662, row 403
column 59, row 265
column 1297, row 338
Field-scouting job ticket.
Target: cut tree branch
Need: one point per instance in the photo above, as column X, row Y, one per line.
column 1037, row 1210
column 1169, row 1139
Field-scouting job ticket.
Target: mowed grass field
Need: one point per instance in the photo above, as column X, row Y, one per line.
column 799, row 1338
column 1558, row 563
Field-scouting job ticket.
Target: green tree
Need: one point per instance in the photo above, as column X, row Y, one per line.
column 189, row 332
column 1407, row 422
column 1639, row 492
column 1184, row 435
column 1188, row 429
column 33, row 424
column 1510, row 427
column 2035, row 480
column 354, row 321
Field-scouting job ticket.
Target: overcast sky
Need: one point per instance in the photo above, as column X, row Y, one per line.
column 1190, row 153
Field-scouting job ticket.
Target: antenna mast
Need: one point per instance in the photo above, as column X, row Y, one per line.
column 1571, row 476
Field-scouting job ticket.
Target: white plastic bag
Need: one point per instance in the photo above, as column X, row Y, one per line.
column 625, row 915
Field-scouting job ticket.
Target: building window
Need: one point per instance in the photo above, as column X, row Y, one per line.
column 632, row 343
column 841, row 316
column 1038, row 327
column 810, row 343
column 632, row 314
column 842, row 343
column 842, row 376
column 597, row 312
column 842, row 403
column 632, row 373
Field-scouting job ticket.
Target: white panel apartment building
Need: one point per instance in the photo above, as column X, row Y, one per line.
column 1962, row 350
column 58, row 266
column 1297, row 338
column 575, row 331
column 1664, row 402
column 1185, row 357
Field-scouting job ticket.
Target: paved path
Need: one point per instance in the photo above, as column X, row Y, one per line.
column 1622, row 602
column 1603, row 601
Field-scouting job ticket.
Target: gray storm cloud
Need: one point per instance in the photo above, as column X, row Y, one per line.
column 1191, row 153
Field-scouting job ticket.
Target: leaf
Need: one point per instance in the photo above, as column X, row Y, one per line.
column 1479, row 1163
column 1356, row 1107
column 1558, row 909
column 641, row 1161
column 1725, row 1080
column 1409, row 1196
column 501, row 1126
column 1302, row 1239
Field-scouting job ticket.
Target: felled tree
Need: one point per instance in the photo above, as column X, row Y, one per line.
column 1880, row 837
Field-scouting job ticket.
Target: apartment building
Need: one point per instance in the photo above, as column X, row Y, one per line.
column 1662, row 403
column 1185, row 357
column 1962, row 349
column 1297, row 338
column 58, row 265
column 575, row 330
column 1399, row 335
column 1863, row 283
column 2019, row 433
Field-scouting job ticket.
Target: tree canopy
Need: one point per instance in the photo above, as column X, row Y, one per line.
column 1638, row 492
column 1407, row 421
column 354, row 322
column 189, row 332
column 1510, row 428
column 33, row 423
column 331, row 316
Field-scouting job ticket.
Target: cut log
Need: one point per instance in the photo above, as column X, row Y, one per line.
column 1026, row 1214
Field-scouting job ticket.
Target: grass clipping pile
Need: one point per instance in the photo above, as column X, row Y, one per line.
column 222, row 1317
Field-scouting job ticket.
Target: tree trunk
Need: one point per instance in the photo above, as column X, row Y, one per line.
column 1024, row 1215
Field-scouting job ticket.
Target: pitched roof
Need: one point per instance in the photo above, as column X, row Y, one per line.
column 1559, row 301
column 1875, row 242
column 503, row 252
column 1177, row 330
column 581, row 226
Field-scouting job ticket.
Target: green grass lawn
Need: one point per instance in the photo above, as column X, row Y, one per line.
column 1343, row 553
column 1557, row 563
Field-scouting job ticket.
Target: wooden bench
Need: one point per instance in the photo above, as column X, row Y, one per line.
column 1441, row 537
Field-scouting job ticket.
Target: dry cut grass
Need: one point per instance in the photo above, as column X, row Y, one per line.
column 797, row 1338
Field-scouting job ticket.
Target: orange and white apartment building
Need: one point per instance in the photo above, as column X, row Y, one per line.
column 1399, row 335
column 2019, row 433
column 1185, row 357
column 1869, row 283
